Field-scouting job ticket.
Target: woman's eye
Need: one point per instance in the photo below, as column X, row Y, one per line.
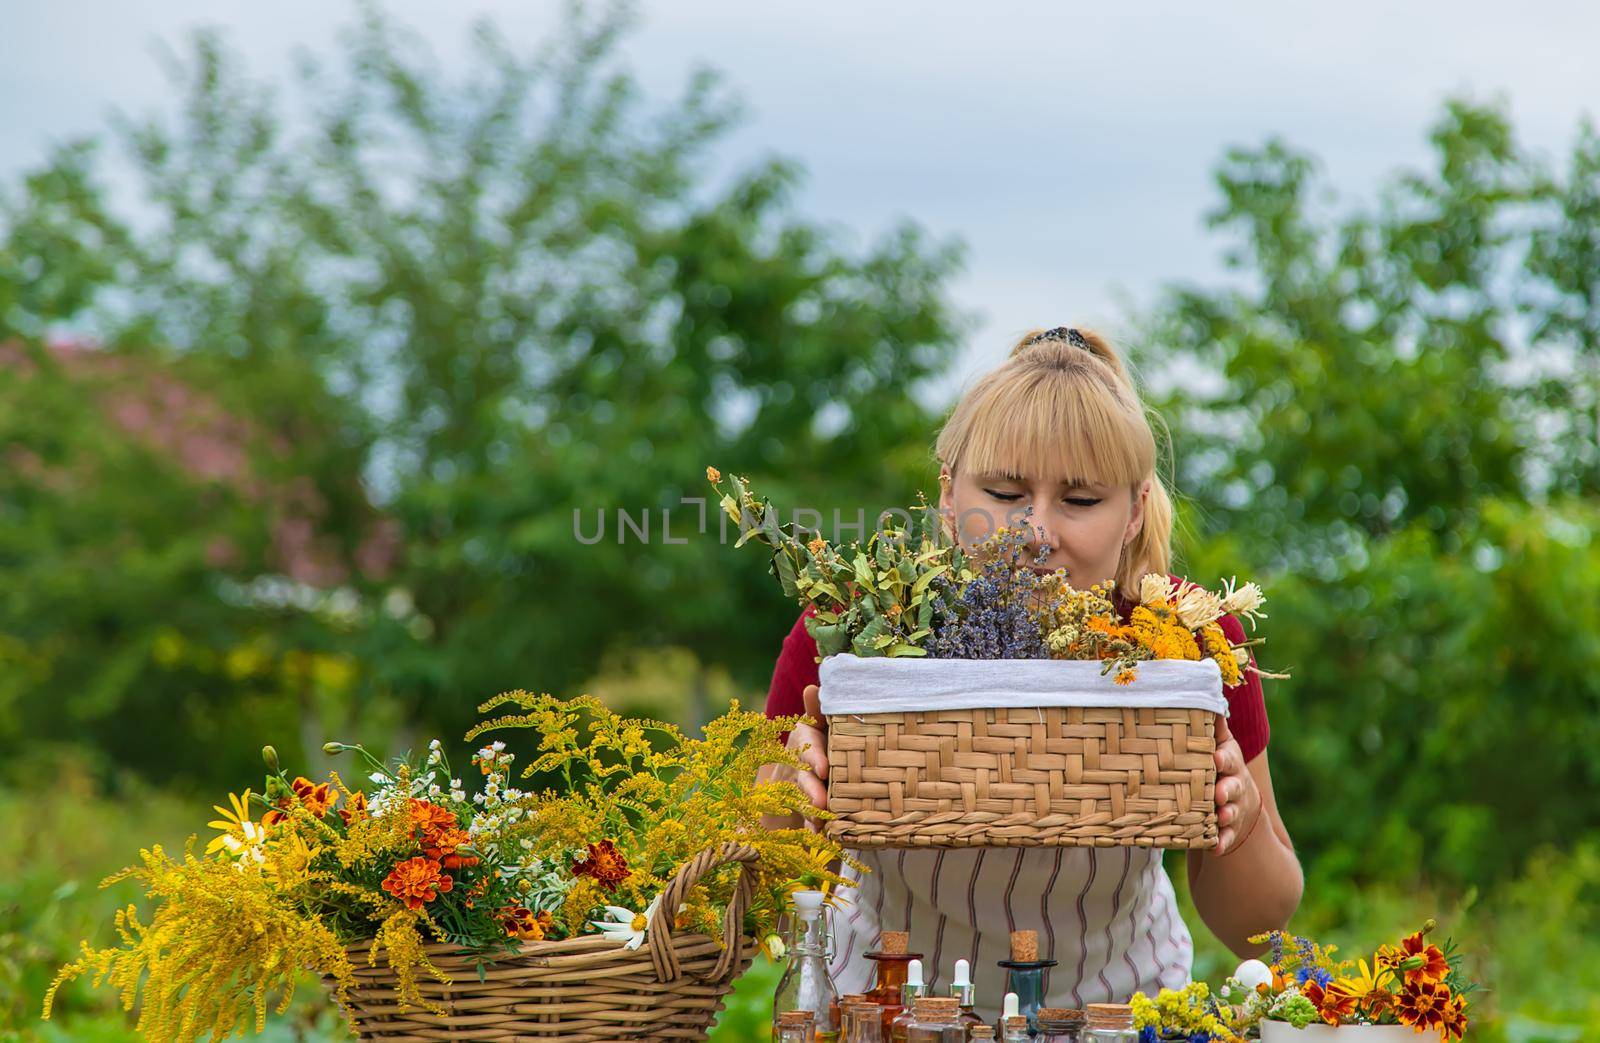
column 1076, row 501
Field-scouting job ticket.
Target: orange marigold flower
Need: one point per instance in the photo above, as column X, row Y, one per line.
column 605, row 863
column 316, row 798
column 1430, row 960
column 417, row 881
column 1453, row 1023
column 1103, row 625
column 431, row 818
column 522, row 922
column 443, row 845
column 1334, row 1004
column 1125, row 676
column 1423, row 1004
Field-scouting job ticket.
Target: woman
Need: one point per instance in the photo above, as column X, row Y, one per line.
column 1060, row 427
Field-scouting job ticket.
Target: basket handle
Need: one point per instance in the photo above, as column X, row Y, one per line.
column 662, row 956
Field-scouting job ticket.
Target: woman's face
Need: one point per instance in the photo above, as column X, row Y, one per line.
column 1084, row 526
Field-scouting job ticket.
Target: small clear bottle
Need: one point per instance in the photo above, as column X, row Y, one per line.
column 847, row 1012
column 1014, row 1029
column 867, row 1024
column 1060, row 1025
column 936, row 1019
column 806, row 983
column 793, row 1026
column 1109, row 1023
column 912, row 991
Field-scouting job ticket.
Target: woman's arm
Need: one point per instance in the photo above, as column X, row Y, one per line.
column 1256, row 883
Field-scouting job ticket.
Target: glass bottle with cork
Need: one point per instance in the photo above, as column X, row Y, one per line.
column 980, row 1033
column 866, row 1025
column 1060, row 1025
column 912, row 991
column 1109, row 1023
column 793, row 1026
column 806, row 983
column 935, row 1019
column 1025, row 975
column 847, row 1005
column 1014, row 1029
column 893, row 960
column 965, row 994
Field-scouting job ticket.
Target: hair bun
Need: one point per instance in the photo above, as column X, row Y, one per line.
column 1069, row 335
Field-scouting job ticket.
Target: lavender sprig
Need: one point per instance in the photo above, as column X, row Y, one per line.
column 997, row 615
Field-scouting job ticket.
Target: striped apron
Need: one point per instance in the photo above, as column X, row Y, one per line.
column 1108, row 917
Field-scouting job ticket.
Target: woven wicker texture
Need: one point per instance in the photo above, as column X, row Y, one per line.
column 1033, row 777
column 584, row 990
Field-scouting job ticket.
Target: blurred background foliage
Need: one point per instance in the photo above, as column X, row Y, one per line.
column 298, row 442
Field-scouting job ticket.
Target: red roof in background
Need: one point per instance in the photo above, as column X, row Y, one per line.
column 170, row 417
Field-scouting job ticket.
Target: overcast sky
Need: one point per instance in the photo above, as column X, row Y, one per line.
column 1070, row 145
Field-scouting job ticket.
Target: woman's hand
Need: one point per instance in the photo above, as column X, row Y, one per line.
column 810, row 741
column 1238, row 796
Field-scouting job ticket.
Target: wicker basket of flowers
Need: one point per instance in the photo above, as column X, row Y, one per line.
column 617, row 896
column 973, row 701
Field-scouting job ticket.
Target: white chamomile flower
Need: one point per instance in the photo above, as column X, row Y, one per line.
column 626, row 927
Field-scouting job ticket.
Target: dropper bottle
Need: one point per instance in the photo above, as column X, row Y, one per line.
column 914, row 990
column 965, row 994
column 1013, row 1027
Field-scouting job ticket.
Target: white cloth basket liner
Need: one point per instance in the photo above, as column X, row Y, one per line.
column 881, row 684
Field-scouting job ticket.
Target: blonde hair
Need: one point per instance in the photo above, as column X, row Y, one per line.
column 1068, row 408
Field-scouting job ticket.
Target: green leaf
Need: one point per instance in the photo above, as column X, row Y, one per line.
column 784, row 565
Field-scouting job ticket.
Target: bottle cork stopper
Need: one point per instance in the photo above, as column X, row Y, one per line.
column 1024, row 945
column 1109, row 1015
column 1060, row 1013
column 982, row 1032
column 936, row 1006
column 796, row 1017
column 1016, row 1021
column 894, row 943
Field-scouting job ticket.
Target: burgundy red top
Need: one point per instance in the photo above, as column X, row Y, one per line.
column 797, row 667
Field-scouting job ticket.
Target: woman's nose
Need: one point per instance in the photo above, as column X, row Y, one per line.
column 1041, row 537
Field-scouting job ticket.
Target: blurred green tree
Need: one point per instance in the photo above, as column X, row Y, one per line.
column 461, row 324
column 1392, row 419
